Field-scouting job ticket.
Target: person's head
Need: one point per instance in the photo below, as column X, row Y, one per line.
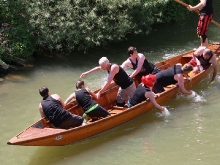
column 187, row 68
column 80, row 84
column 132, row 51
column 104, row 63
column 149, row 80
column 207, row 53
column 44, row 91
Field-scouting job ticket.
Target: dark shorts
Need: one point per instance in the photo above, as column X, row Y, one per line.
column 158, row 88
column 98, row 112
column 72, row 121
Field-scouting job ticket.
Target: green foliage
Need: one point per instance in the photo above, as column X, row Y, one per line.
column 82, row 24
column 65, row 25
column 16, row 37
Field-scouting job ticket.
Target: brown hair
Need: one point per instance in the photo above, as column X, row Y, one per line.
column 131, row 50
column 79, row 84
column 43, row 91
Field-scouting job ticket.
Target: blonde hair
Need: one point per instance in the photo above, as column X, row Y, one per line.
column 103, row 60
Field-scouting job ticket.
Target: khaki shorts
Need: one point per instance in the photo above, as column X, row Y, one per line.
column 124, row 94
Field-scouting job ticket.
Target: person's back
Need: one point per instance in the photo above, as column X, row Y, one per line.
column 139, row 94
column 166, row 77
column 83, row 97
column 207, row 9
column 143, row 91
column 51, row 107
column 172, row 75
column 54, row 111
column 121, row 78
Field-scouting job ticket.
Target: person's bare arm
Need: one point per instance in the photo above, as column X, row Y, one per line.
column 90, row 71
column 140, row 65
column 198, row 6
column 180, row 80
column 41, row 111
column 73, row 95
column 91, row 93
column 214, row 66
column 126, row 63
column 151, row 96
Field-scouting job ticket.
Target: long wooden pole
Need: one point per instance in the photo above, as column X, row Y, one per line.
column 184, row 4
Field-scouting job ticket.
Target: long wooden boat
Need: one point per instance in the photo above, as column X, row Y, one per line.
column 41, row 134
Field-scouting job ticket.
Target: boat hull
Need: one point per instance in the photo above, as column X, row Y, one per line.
column 40, row 134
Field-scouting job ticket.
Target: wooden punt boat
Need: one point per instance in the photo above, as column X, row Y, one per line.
column 40, row 133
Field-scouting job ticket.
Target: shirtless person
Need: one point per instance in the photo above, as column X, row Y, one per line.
column 119, row 76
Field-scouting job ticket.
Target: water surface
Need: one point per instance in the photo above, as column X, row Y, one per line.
column 190, row 136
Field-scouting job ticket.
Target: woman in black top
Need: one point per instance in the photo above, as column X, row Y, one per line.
column 144, row 91
column 84, row 99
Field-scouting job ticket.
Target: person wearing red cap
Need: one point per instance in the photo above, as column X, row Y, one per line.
column 144, row 91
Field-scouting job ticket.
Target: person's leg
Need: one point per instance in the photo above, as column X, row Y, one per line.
column 158, row 88
column 130, row 91
column 121, row 95
column 72, row 121
column 98, row 112
column 202, row 28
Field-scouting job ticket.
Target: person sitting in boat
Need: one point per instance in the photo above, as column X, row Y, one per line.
column 119, row 76
column 51, row 108
column 84, row 99
column 203, row 58
column 139, row 64
column 171, row 76
column 144, row 91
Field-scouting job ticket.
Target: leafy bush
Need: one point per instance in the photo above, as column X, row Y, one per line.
column 82, row 24
column 65, row 25
column 16, row 41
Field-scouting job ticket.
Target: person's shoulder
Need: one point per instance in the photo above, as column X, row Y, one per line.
column 141, row 55
column 115, row 65
column 55, row 96
column 179, row 64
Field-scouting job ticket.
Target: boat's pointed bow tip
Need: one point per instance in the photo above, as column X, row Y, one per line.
column 9, row 143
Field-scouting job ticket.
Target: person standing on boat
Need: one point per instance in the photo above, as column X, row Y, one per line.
column 83, row 97
column 205, row 16
column 51, row 108
column 119, row 76
column 139, row 64
column 144, row 91
column 203, row 58
column 171, row 76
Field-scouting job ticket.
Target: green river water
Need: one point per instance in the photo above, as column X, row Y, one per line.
column 189, row 137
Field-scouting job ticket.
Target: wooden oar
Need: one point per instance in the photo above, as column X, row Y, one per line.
column 184, row 4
